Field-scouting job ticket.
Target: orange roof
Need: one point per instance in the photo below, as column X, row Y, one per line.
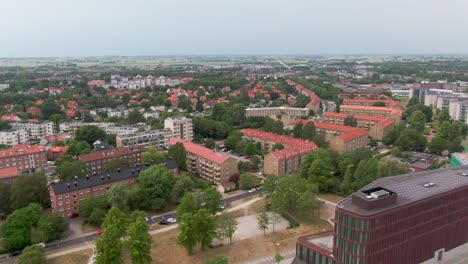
column 58, row 149
column 296, row 146
column 369, row 101
column 209, row 154
column 356, row 133
column 370, row 108
column 21, row 149
column 358, row 117
column 334, row 127
column 349, row 133
column 8, row 173
column 105, row 154
column 385, row 123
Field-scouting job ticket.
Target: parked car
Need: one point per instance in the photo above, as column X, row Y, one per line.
column 99, row 232
column 147, row 219
column 15, row 253
column 164, row 222
column 172, row 220
column 252, row 190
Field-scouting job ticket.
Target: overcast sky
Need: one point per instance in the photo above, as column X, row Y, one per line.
column 41, row 28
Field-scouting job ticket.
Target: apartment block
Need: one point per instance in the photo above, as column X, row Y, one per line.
column 14, row 137
column 109, row 128
column 155, row 138
column 96, row 162
column 35, row 128
column 284, row 161
column 213, row 166
column 377, row 126
column 412, row 218
column 387, row 112
column 8, row 175
column 276, row 111
column 65, row 197
column 370, row 102
column 25, row 158
column 180, row 127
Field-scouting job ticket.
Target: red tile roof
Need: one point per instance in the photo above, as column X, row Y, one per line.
column 351, row 135
column 21, row 149
column 390, row 103
column 296, row 146
column 209, row 154
column 8, row 173
column 373, row 108
column 358, row 117
column 105, row 154
column 385, row 123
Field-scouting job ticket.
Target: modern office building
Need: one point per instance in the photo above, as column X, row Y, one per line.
column 155, row 138
column 213, row 166
column 180, row 127
column 284, row 161
column 408, row 218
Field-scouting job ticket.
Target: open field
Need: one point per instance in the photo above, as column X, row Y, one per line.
column 80, row 257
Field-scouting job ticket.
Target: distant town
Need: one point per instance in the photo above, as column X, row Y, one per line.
column 234, row 159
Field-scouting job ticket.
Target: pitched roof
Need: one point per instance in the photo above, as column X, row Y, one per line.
column 358, row 117
column 22, row 149
column 369, row 108
column 351, row 135
column 8, row 173
column 209, row 154
column 385, row 123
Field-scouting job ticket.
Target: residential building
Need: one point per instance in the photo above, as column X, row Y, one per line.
column 370, row 102
column 56, row 152
column 65, row 197
column 13, row 137
column 9, row 175
column 284, row 161
column 340, row 138
column 276, row 111
column 155, row 138
column 96, row 162
column 377, row 126
column 388, row 112
column 409, row 218
column 216, row 167
column 180, row 127
column 108, row 127
column 26, row 158
column 457, row 110
column 314, row 103
column 35, row 128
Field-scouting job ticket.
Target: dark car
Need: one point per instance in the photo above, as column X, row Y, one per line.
column 164, row 222
column 15, row 253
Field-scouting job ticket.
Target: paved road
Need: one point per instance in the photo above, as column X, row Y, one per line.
column 79, row 240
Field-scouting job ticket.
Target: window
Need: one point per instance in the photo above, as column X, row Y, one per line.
column 60, row 196
column 68, row 207
column 87, row 190
column 61, row 209
column 68, row 201
column 94, row 188
column 67, row 195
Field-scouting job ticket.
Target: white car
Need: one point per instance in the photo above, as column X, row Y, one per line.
column 147, row 219
column 252, row 190
column 172, row 220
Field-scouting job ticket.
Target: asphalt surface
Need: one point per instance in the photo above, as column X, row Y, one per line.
column 67, row 243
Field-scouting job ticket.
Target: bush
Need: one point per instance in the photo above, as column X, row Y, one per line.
column 292, row 222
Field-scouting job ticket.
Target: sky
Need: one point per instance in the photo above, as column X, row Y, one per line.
column 55, row 28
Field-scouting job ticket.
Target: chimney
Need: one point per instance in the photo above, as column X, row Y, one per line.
column 102, row 178
column 94, row 173
column 147, row 165
column 108, row 176
column 68, row 185
column 133, row 172
column 76, row 183
column 87, row 176
column 138, row 170
column 118, row 169
column 76, row 177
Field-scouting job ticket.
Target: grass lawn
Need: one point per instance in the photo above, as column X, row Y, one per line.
column 80, row 257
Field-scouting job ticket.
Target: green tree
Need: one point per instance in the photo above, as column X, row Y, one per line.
column 320, row 141
column 365, row 173
column 139, row 242
column 210, row 143
column 263, row 221
column 209, row 199
column 278, row 258
column 187, row 205
column 109, row 247
column 118, row 196
column 135, row 116
column 308, row 131
column 413, row 101
column 444, row 116
column 152, row 155
column 438, row 144
column 425, row 109
column 218, row 260
column 350, row 121
column 4, row 125
column 418, row 120
column 379, row 104
column 178, row 153
column 93, row 209
column 181, row 187
column 58, row 224
column 50, row 108
column 248, row 180
column 68, row 169
column 197, row 227
column 30, row 189
column 156, row 183
column 348, row 181
column 76, row 147
column 410, row 139
column 126, row 98
column 391, row 166
column 33, row 254
column 16, row 229
column 199, row 106
column 277, row 147
column 5, row 202
column 297, row 131
column 226, row 226
column 116, row 163
column 392, row 135
column 90, row 134
column 318, row 168
column 232, row 139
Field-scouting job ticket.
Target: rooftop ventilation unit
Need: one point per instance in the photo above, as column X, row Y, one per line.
column 380, row 194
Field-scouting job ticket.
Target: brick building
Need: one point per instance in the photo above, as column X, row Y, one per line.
column 26, row 158
column 370, row 102
column 388, row 112
column 214, row 166
column 96, row 162
column 284, row 161
column 410, row 218
column 8, row 175
column 377, row 126
column 66, row 196
column 340, row 138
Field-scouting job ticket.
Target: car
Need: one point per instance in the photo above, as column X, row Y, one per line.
column 99, row 232
column 252, row 190
column 43, row 245
column 164, row 222
column 15, row 253
column 147, row 219
column 172, row 220
column 253, row 171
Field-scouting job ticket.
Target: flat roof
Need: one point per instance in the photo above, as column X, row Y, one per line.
column 410, row 188
column 324, row 241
